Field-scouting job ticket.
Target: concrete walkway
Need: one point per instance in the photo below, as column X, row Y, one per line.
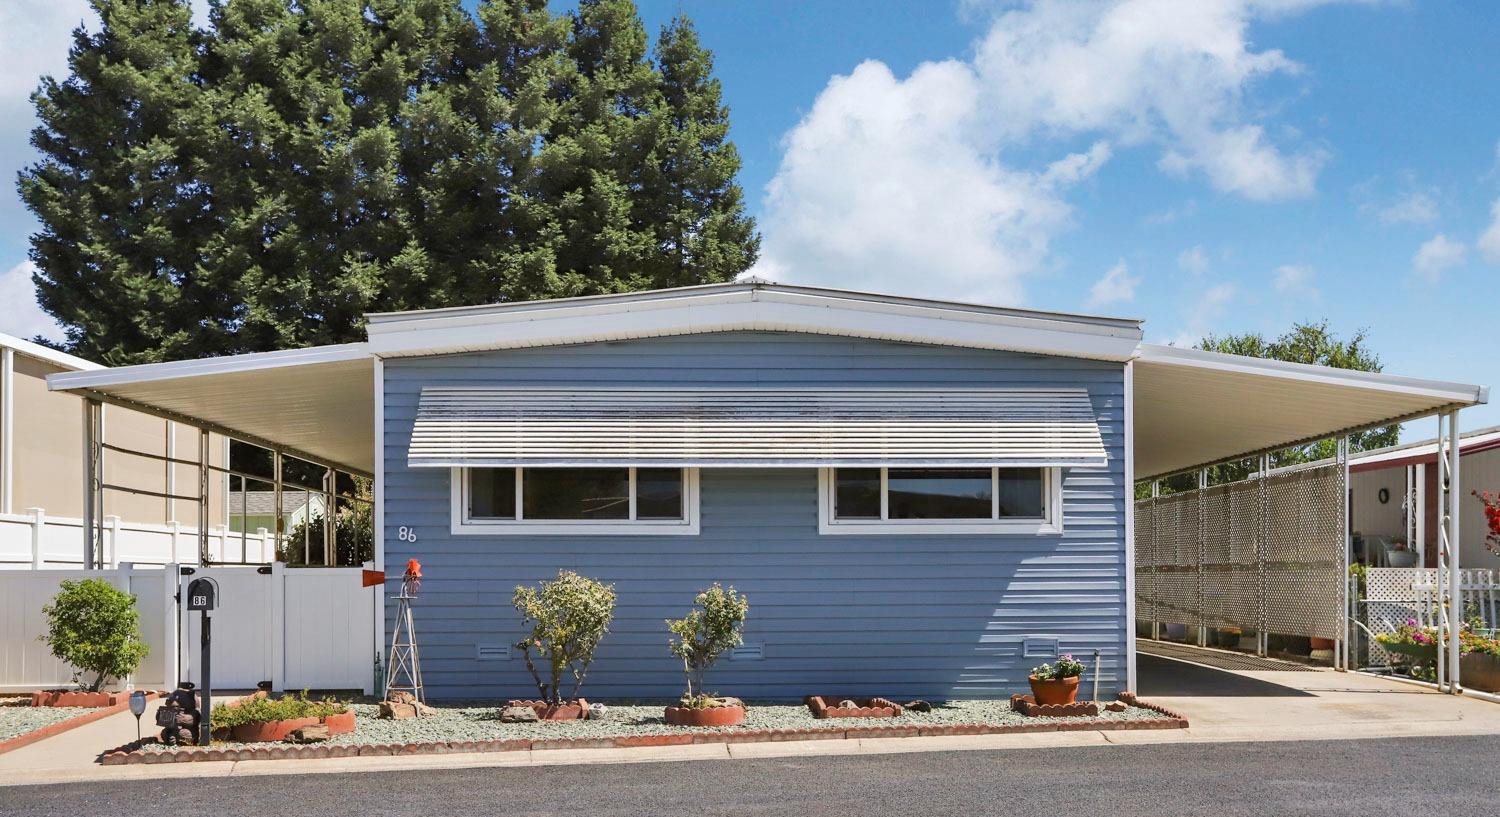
column 1222, row 706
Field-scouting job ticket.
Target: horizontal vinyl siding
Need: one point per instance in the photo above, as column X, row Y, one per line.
column 921, row 615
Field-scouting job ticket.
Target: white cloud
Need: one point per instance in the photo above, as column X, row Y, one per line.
column 1193, row 260
column 1489, row 240
column 892, row 184
column 1413, row 208
column 910, row 184
column 1436, row 255
column 1294, row 280
column 1203, row 313
column 1158, row 71
column 22, row 316
column 1116, row 286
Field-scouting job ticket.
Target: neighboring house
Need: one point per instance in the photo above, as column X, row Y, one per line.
column 42, row 464
column 1393, row 495
column 920, row 498
column 256, row 510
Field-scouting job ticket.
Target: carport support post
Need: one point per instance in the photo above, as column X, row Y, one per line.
column 1202, row 552
column 203, row 497
column 93, row 478
column 1341, row 645
column 1449, row 492
column 1262, row 546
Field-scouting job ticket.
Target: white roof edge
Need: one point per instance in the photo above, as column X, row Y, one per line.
column 48, row 354
column 749, row 285
column 228, row 364
column 739, row 307
column 1466, row 439
column 1451, row 392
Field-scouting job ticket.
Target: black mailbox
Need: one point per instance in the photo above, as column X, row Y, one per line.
column 202, row 594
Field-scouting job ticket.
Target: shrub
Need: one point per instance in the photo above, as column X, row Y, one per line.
column 568, row 617
column 705, row 633
column 1065, row 667
column 94, row 627
column 265, row 710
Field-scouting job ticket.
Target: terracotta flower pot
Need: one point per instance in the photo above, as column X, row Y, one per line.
column 340, row 724
column 711, row 716
column 1320, row 643
column 1055, row 690
column 268, row 731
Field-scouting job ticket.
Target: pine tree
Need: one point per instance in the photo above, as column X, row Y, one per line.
column 693, row 202
column 264, row 182
column 116, row 190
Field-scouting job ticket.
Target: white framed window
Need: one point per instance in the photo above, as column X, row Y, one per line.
column 561, row 501
column 983, row 500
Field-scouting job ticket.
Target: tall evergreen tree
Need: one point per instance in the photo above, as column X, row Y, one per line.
column 264, row 182
column 693, row 203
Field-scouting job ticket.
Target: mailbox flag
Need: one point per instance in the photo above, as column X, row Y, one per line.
column 373, row 578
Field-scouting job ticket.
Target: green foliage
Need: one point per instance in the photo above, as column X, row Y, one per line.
column 267, row 709
column 353, row 533
column 95, row 628
column 568, row 617
column 265, row 181
column 1066, row 667
column 1311, row 343
column 700, row 637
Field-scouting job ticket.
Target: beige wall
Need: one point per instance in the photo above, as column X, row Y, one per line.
column 1481, row 472
column 48, row 455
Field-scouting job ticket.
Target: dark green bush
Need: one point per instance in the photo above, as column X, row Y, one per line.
column 265, row 710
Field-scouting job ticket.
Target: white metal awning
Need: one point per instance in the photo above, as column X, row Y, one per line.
column 754, row 427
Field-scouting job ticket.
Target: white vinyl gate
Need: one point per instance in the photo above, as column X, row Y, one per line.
column 296, row 628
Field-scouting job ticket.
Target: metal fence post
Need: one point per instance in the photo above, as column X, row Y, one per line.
column 38, row 522
column 1202, row 553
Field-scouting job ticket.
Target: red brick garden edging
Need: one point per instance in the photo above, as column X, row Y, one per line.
column 130, row 753
column 71, row 723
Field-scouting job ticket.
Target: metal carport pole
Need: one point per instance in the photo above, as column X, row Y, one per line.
column 1449, row 489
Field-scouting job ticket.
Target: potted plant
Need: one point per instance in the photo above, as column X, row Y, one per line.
column 1399, row 554
column 1056, row 683
column 94, row 627
column 699, row 638
column 260, row 719
column 568, row 617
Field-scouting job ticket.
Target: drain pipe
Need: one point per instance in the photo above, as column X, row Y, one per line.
column 1096, row 676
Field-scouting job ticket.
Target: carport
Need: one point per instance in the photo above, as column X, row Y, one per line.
column 1184, row 411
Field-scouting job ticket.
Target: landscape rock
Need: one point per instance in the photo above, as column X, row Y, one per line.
column 518, row 714
column 918, row 706
column 316, row 733
column 392, row 710
column 1116, row 706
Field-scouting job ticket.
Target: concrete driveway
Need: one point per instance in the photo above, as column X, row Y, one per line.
column 1282, row 701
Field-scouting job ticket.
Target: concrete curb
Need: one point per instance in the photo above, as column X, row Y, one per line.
column 131, row 754
column 71, row 723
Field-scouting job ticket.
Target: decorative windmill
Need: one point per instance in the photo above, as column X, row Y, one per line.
column 403, row 676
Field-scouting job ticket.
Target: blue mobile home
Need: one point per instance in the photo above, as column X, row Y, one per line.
column 920, row 498
column 907, row 518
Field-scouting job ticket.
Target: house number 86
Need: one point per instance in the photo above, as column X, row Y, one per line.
column 406, row 534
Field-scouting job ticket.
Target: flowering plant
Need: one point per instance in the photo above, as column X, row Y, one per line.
column 1492, row 517
column 1066, row 667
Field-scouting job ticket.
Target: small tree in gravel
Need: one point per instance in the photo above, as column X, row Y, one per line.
column 568, row 617
column 701, row 636
column 94, row 627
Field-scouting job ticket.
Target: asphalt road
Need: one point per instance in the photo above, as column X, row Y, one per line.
column 1372, row 777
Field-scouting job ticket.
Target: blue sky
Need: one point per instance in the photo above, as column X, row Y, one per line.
column 1216, row 166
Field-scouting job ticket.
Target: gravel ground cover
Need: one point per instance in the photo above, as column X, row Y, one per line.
column 16, row 721
column 480, row 720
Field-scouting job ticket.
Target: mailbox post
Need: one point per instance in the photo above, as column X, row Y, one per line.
column 203, row 596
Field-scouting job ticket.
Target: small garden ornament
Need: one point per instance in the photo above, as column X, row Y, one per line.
column 699, row 638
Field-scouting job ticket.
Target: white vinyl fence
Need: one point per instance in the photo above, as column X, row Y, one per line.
column 295, row 627
column 35, row 541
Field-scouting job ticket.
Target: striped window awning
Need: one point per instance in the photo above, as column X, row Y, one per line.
column 755, row 427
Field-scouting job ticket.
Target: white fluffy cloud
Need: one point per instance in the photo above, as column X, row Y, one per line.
column 1489, row 240
column 22, row 316
column 1294, row 280
column 912, row 184
column 1413, row 208
column 1436, row 255
column 1116, row 286
column 1204, row 312
column 1193, row 260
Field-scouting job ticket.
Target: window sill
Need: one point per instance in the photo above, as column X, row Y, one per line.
column 575, row 529
column 922, row 528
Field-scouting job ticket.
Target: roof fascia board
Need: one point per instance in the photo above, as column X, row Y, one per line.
column 230, row 364
column 1455, row 393
column 48, row 355
column 750, row 309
